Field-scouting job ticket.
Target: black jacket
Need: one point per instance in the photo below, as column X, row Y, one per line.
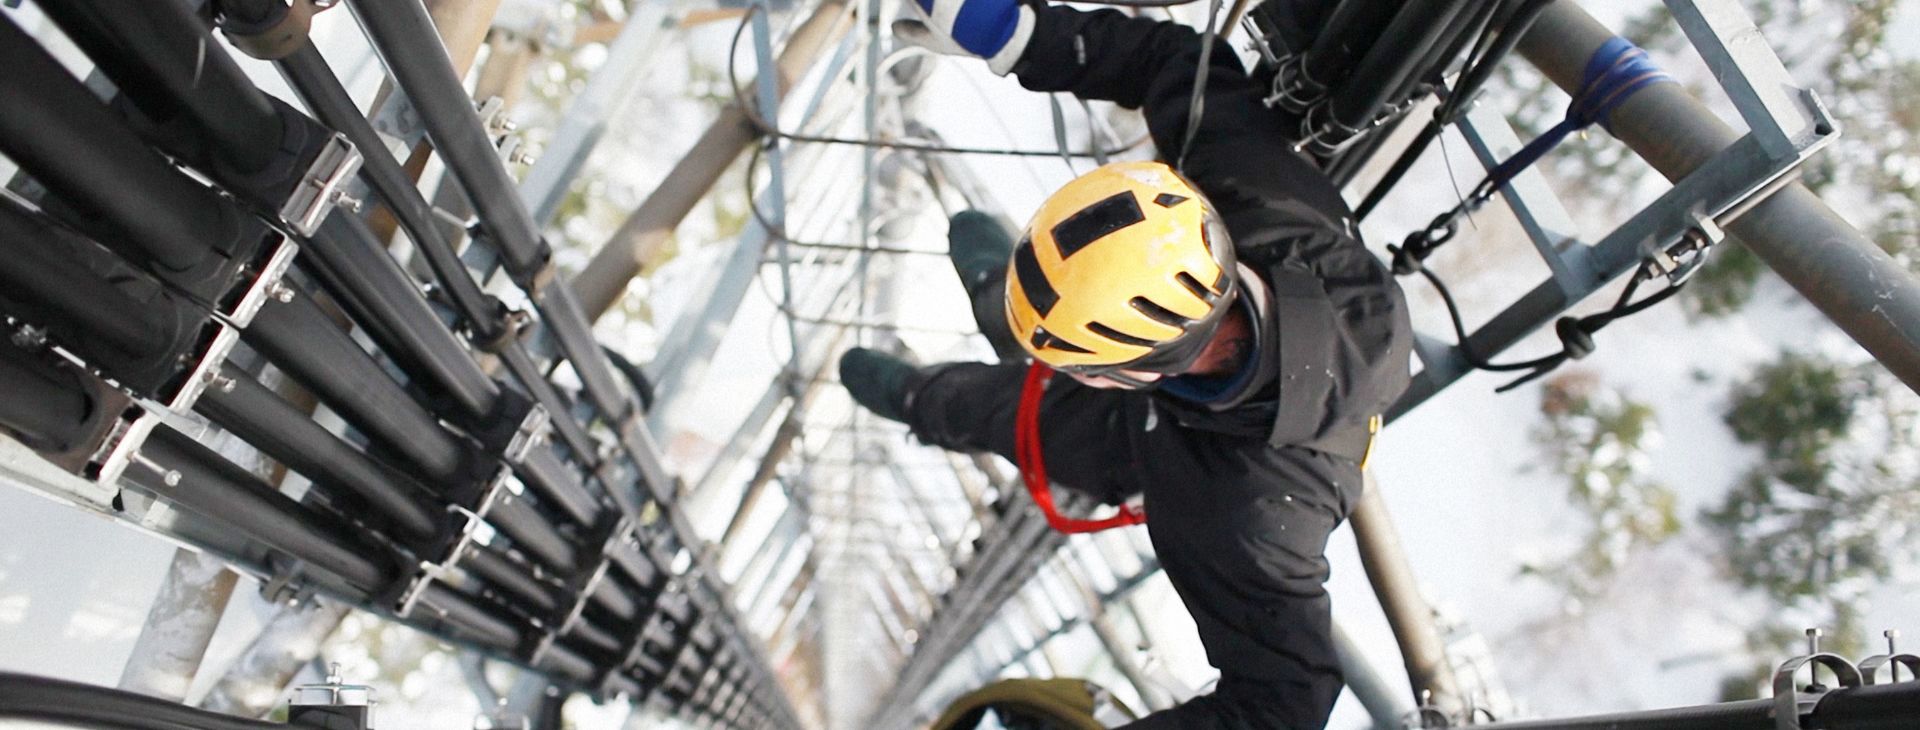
column 1240, row 498
column 1344, row 340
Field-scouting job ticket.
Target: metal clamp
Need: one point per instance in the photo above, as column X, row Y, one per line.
column 286, row 584
column 323, row 186
column 1679, row 260
column 269, row 284
column 1893, row 660
column 503, row 130
column 1293, row 89
column 1325, row 136
column 499, row 491
column 585, row 583
column 533, row 431
column 123, row 442
column 116, row 452
column 1790, row 700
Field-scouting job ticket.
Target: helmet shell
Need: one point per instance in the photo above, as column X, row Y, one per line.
column 1123, row 264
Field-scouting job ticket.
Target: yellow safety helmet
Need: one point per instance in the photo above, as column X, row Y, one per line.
column 1127, row 267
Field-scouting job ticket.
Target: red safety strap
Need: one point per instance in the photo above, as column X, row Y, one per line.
column 1033, row 468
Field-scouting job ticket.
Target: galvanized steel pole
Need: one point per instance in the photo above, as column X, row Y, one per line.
column 1837, row 268
column 1407, row 611
column 291, row 639
column 179, row 626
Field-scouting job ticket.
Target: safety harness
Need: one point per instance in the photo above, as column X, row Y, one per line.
column 1033, row 466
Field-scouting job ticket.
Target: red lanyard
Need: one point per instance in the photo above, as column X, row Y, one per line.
column 1033, row 468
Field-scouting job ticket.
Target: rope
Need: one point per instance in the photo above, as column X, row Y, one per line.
column 1616, row 71
column 1033, row 467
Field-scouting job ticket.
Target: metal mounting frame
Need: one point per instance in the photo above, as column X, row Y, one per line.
column 1789, row 124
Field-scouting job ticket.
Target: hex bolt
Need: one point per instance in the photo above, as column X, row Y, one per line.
column 1813, row 640
column 1892, row 635
column 342, row 200
column 172, row 478
column 281, row 292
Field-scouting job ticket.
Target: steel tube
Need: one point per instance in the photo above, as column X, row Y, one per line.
column 557, row 486
column 267, row 422
column 518, row 585
column 469, row 617
column 613, row 599
column 1409, row 614
column 37, row 276
column 1856, row 284
column 252, row 684
column 1392, row 59
column 533, row 535
column 93, row 162
column 197, row 479
column 26, row 697
column 391, row 307
column 1872, row 707
column 166, row 61
column 1385, row 705
column 1347, row 35
column 180, row 624
column 307, row 71
column 642, row 238
column 298, row 338
column 38, row 403
column 400, row 31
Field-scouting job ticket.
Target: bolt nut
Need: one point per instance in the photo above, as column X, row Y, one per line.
column 172, row 478
column 281, row 292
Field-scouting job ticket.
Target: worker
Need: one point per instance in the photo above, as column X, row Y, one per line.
column 1230, row 341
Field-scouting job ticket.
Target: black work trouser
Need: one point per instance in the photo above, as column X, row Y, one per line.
column 1240, row 527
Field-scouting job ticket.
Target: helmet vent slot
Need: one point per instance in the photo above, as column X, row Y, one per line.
column 1096, row 221
column 1193, row 285
column 1118, row 336
column 1026, row 267
column 1158, row 313
column 1042, row 339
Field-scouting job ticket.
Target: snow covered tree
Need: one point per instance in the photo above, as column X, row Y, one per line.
column 1600, row 440
column 1832, row 507
column 1839, row 49
column 1830, row 512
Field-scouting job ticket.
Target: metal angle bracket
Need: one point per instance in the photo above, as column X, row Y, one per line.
column 123, row 442
column 534, row 430
column 584, row 583
column 473, row 531
column 1786, row 117
column 269, row 283
column 110, row 461
column 323, row 186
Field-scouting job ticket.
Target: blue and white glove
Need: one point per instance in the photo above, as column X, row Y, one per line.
column 995, row 30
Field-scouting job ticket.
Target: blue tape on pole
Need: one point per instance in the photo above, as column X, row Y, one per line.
column 1616, row 71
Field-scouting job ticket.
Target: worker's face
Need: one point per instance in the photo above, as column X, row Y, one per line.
column 1128, row 380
